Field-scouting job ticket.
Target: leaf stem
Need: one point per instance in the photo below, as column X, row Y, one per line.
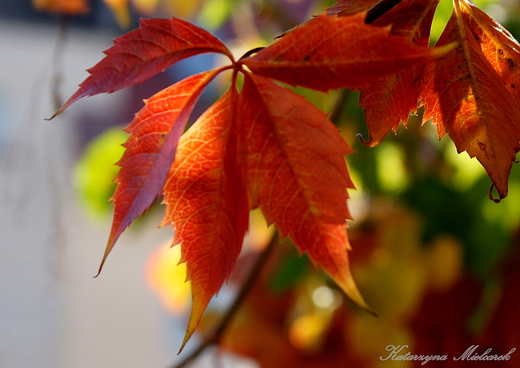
column 216, row 335
column 339, row 106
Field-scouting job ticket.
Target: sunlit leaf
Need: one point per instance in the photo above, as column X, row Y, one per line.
column 207, row 203
column 297, row 175
column 145, row 52
column 331, row 52
column 468, row 99
column 150, row 150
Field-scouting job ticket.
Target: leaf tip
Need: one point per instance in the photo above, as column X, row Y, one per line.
column 501, row 193
column 370, row 143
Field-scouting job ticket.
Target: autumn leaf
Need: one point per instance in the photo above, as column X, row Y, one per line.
column 351, row 7
column 373, row 8
column 143, row 53
column 150, row 150
column 390, row 100
column 467, row 99
column 498, row 46
column 331, row 52
column 296, row 173
column 207, row 203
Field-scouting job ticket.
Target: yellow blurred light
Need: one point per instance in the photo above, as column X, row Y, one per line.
column 390, row 167
column 306, row 331
column 324, row 297
column 121, row 11
column 166, row 278
column 445, row 261
column 468, row 170
column 71, row 7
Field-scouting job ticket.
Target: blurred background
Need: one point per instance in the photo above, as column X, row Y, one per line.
column 431, row 253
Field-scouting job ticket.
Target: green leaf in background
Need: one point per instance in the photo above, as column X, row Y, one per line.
column 443, row 14
column 95, row 171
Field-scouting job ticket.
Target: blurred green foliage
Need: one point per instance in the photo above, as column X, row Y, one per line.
column 95, row 172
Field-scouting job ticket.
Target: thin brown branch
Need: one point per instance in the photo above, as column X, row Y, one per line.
column 215, row 337
column 339, row 106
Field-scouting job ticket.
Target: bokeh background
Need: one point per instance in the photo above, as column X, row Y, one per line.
column 431, row 253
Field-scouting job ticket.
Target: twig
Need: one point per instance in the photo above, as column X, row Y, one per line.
column 339, row 106
column 215, row 337
column 57, row 61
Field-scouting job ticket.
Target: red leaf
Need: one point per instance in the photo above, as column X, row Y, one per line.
column 502, row 332
column 389, row 100
column 143, row 53
column 296, row 173
column 468, row 100
column 150, row 150
column 331, row 52
column 351, row 7
column 207, row 202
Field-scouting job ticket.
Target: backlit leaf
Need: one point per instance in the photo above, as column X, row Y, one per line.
column 331, row 52
column 296, row 173
column 150, row 150
column 207, row 203
column 468, row 100
column 143, row 53
column 497, row 44
column 351, row 7
column 389, row 100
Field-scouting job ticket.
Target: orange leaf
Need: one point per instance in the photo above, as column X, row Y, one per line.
column 468, row 100
column 69, row 7
column 497, row 44
column 207, row 202
column 296, row 173
column 331, row 52
column 150, row 150
column 143, row 53
column 389, row 100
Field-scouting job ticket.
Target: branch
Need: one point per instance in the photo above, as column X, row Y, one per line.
column 215, row 337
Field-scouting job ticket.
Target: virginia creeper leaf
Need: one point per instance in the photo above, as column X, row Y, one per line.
column 207, row 202
column 331, row 52
column 389, row 100
column 351, row 7
column 497, row 44
column 297, row 174
column 374, row 9
column 144, row 52
column 468, row 100
column 150, row 150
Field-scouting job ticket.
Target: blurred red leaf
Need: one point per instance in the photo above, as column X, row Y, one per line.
column 440, row 325
column 503, row 328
